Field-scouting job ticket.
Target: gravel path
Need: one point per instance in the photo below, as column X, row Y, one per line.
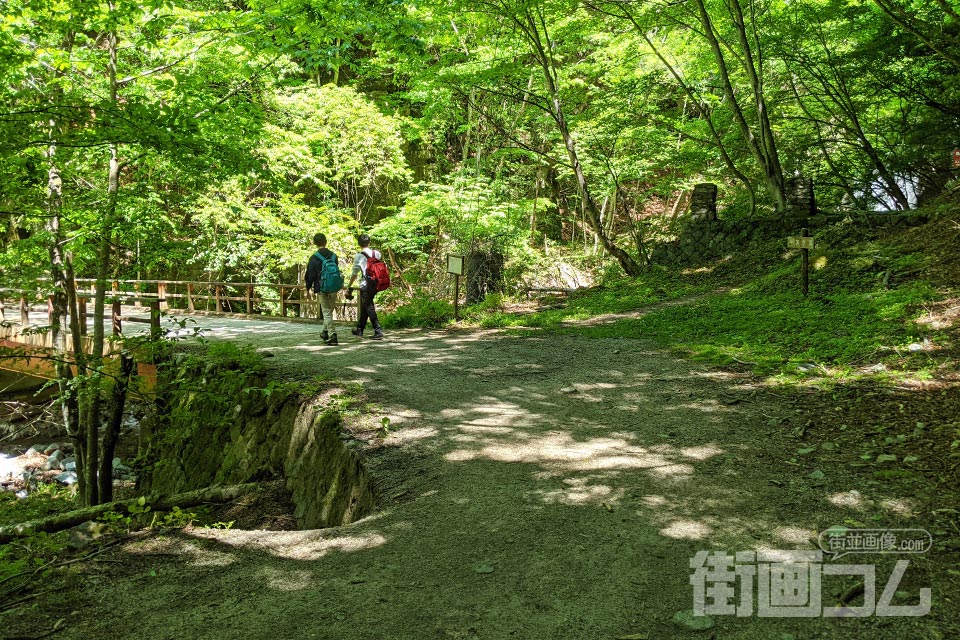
column 534, row 487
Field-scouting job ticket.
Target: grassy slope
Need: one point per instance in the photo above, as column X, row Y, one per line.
column 871, row 295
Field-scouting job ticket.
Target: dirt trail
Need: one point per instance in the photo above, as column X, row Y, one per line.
column 534, row 487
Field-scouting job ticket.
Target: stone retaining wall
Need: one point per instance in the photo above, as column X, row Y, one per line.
column 703, row 237
column 259, row 437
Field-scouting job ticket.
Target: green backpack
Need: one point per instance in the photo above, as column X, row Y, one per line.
column 331, row 280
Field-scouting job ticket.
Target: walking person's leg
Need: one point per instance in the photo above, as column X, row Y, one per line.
column 372, row 313
column 328, row 303
column 361, row 314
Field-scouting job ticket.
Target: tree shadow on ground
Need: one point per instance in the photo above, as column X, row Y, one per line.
column 531, row 488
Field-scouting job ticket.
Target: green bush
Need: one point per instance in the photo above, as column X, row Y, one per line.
column 420, row 312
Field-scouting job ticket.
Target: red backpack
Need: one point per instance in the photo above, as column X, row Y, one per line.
column 377, row 271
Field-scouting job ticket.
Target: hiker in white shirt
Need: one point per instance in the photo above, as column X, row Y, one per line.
column 368, row 289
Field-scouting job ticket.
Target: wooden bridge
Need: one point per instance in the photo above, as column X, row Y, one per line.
column 25, row 316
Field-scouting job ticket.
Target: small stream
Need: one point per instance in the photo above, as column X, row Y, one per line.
column 34, row 449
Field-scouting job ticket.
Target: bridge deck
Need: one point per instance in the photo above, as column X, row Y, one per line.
column 35, row 344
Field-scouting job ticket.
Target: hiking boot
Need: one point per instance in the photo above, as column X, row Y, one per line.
column 357, row 332
column 377, row 335
column 332, row 342
column 325, row 336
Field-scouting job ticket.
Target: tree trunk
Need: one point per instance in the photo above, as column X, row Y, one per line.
column 764, row 151
column 707, row 117
column 112, row 435
column 535, row 30
column 92, row 396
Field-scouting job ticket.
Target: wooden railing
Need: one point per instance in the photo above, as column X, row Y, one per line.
column 244, row 298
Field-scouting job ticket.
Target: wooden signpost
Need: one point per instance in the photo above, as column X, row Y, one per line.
column 455, row 266
column 804, row 242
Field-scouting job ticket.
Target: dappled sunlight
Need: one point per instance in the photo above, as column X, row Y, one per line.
column 210, row 558
column 362, row 368
column 847, row 499
column 560, row 451
column 703, row 406
column 294, row 545
column 411, row 349
column 287, row 579
column 899, row 506
column 411, row 434
column 720, row 522
column 199, row 556
column 654, row 501
column 585, row 390
column 702, row 452
column 483, row 430
column 795, row 535
column 660, row 451
column 672, row 471
column 491, row 412
column 579, row 491
column 941, row 315
column 686, row 530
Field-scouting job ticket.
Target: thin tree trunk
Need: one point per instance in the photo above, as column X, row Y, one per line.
column 93, row 399
column 112, row 435
column 827, row 156
column 535, row 30
column 752, row 65
column 836, row 90
column 769, row 165
column 899, row 17
column 695, row 99
column 69, row 408
column 62, row 521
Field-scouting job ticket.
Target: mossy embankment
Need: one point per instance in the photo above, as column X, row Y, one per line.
column 220, row 421
column 882, row 304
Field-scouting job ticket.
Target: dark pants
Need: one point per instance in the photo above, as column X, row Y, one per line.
column 368, row 309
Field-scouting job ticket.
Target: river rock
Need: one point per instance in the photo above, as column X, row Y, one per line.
column 122, row 472
column 69, row 464
column 85, row 534
column 67, row 477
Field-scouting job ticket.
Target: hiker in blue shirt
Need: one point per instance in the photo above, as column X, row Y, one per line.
column 322, row 280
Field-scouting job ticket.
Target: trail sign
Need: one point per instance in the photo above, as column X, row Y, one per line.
column 455, row 265
column 804, row 242
column 956, row 158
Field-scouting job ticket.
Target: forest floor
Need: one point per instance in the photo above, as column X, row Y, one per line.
column 537, row 486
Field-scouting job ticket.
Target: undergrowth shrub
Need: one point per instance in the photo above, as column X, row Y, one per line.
column 419, row 312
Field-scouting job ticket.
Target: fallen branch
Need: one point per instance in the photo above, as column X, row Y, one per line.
column 70, row 519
